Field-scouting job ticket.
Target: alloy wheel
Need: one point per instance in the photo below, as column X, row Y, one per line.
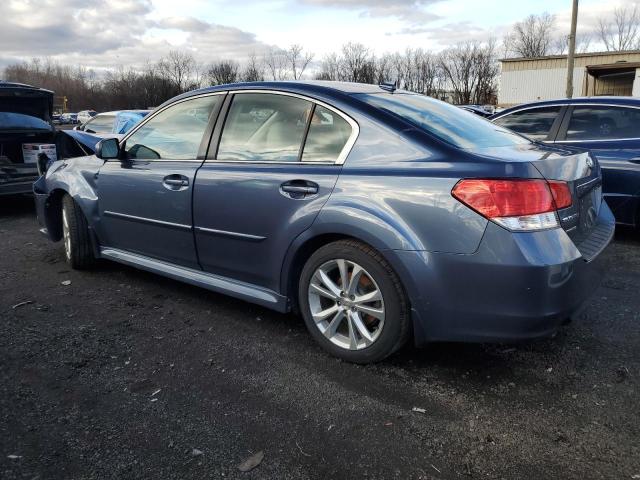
column 346, row 304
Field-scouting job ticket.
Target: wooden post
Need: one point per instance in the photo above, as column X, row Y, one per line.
column 572, row 49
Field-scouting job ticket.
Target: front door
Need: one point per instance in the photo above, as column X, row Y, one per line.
column 145, row 197
column 278, row 159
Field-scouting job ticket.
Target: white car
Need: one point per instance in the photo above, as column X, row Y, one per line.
column 85, row 115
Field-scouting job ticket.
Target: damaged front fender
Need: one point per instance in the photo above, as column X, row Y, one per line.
column 76, row 177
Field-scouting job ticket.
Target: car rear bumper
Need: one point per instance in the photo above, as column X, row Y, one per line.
column 516, row 286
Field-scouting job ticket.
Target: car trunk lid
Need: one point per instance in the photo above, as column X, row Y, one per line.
column 582, row 173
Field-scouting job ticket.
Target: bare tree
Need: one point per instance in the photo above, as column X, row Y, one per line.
column 470, row 70
column 253, row 71
column 275, row 60
column 225, row 71
column 622, row 30
column 329, row 68
column 357, row 64
column 298, row 60
column 180, row 68
column 532, row 37
column 561, row 44
column 384, row 69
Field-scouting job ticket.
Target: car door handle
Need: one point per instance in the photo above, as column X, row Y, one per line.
column 299, row 188
column 635, row 160
column 175, row 182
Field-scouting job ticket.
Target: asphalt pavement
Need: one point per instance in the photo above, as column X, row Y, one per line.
column 118, row 373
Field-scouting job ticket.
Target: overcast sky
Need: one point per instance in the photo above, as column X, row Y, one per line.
column 110, row 33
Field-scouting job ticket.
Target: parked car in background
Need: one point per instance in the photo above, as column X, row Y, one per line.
column 117, row 122
column 477, row 109
column 378, row 214
column 55, row 118
column 85, row 115
column 609, row 127
column 69, row 119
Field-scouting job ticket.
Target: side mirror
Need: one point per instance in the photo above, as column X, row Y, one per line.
column 108, row 149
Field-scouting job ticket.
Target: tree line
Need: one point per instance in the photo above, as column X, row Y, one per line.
column 465, row 73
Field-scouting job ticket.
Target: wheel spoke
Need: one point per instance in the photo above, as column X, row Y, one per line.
column 322, row 315
column 329, row 283
column 374, row 312
column 356, row 273
column 330, row 331
column 373, row 296
column 361, row 327
column 315, row 288
column 344, row 273
column 353, row 338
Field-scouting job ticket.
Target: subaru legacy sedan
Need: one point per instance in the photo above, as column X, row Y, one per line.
column 609, row 127
column 377, row 214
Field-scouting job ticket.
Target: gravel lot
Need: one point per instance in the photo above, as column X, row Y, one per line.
column 122, row 374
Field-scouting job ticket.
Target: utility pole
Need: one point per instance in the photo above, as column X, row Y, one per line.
column 572, row 49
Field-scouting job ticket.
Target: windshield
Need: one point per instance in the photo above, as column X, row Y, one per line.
column 447, row 122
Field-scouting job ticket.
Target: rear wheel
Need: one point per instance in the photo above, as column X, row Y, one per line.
column 353, row 303
column 78, row 250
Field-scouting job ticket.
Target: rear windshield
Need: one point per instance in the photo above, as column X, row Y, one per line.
column 19, row 121
column 447, row 122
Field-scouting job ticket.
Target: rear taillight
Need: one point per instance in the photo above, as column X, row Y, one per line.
column 561, row 193
column 516, row 204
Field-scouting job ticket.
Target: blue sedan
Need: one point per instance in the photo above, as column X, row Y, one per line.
column 377, row 214
column 609, row 127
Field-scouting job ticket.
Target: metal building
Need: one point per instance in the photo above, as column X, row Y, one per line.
column 545, row 78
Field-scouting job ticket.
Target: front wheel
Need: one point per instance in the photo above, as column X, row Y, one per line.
column 78, row 250
column 353, row 302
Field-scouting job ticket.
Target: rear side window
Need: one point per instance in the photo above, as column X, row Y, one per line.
column 603, row 123
column 174, row 133
column 328, row 134
column 535, row 123
column 264, row 127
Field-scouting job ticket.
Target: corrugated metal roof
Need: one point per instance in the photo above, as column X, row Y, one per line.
column 562, row 57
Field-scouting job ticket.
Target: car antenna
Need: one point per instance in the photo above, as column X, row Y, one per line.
column 389, row 86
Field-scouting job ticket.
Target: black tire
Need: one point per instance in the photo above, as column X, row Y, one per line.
column 79, row 252
column 397, row 321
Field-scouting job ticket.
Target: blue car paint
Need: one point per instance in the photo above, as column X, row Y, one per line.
column 619, row 159
column 466, row 278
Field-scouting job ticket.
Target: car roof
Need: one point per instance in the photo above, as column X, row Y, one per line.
column 606, row 99
column 310, row 87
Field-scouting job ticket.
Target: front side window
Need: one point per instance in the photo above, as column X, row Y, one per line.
column 603, row 123
column 264, row 127
column 328, row 134
column 535, row 123
column 175, row 133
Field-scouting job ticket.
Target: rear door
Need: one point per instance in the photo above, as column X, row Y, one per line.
column 612, row 134
column 145, row 198
column 277, row 161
